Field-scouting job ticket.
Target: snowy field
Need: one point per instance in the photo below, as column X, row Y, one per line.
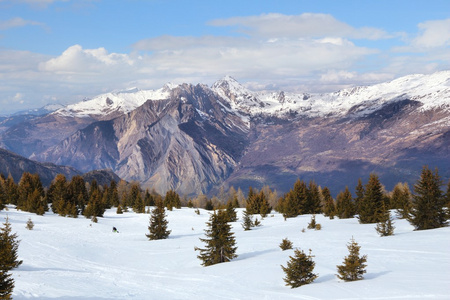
column 65, row 258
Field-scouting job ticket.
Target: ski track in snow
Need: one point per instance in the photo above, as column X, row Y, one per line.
column 66, row 258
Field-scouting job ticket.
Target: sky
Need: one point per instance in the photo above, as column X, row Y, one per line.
column 64, row 51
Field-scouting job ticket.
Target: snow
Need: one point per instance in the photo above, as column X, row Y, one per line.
column 433, row 91
column 123, row 102
column 66, row 258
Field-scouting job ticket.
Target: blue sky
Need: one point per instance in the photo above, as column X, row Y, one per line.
column 61, row 51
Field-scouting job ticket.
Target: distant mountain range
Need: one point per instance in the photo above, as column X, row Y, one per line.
column 196, row 139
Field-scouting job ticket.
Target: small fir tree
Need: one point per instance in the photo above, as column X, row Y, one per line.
column 9, row 246
column 158, row 223
column 286, row 244
column 299, row 269
column 386, row 226
column 30, row 224
column 247, row 220
column 220, row 242
column 231, row 212
column 312, row 223
column 353, row 266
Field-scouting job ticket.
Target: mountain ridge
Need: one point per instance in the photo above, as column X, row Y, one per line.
column 195, row 139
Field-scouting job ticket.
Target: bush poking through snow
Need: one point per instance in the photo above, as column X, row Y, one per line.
column 286, row 244
column 30, row 224
column 312, row 224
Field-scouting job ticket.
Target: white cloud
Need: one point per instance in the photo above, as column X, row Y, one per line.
column 17, row 22
column 307, row 25
column 78, row 60
column 433, row 34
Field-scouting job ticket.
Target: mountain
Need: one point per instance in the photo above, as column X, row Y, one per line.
column 15, row 165
column 188, row 142
column 28, row 134
column 195, row 138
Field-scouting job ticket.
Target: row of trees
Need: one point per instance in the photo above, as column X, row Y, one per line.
column 74, row 197
column 428, row 207
column 424, row 208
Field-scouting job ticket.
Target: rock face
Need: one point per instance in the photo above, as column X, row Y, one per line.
column 187, row 143
column 192, row 138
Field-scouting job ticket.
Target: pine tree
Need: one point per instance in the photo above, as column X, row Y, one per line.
column 95, row 206
column 31, row 194
column 2, row 193
column 172, row 200
column 345, row 208
column 8, row 259
column 247, row 220
column 447, row 199
column 329, row 208
column 77, row 194
column 11, row 190
column 58, row 195
column 386, row 226
column 149, row 200
column 401, row 200
column 220, row 242
column 353, row 266
column 291, row 205
column 313, row 204
column 371, row 208
column 209, row 205
column 359, row 191
column 6, row 285
column 158, row 223
column 113, row 194
column 231, row 212
column 299, row 269
column 264, row 208
column 428, row 203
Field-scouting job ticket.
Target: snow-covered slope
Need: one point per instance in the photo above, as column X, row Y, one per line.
column 66, row 258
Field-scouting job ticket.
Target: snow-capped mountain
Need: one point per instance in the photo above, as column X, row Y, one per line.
column 433, row 91
column 113, row 104
column 193, row 138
